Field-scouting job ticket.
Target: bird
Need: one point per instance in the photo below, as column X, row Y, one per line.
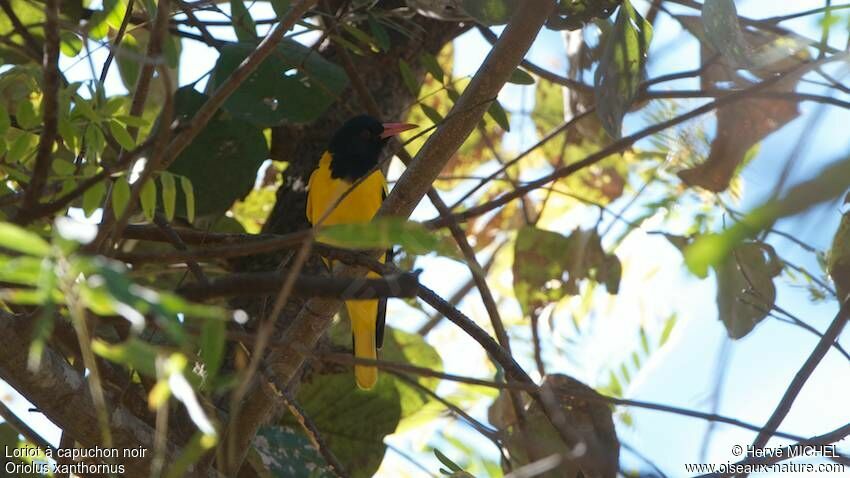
column 350, row 163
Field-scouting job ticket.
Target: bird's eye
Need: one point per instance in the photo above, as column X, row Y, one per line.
column 366, row 134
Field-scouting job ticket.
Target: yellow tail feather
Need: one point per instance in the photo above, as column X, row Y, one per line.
column 363, row 313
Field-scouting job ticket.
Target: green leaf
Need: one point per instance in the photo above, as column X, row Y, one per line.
column 838, row 257
column 98, row 27
column 133, row 352
column 498, row 113
column 23, row 270
column 134, row 121
column 360, row 35
column 432, row 66
column 128, row 63
column 408, row 77
column 212, row 345
column 68, row 132
column 379, row 33
column 352, row 421
column 348, row 45
column 114, row 11
column 5, row 121
column 452, row 466
column 147, row 197
column 621, row 67
column 121, row 135
column 547, row 265
column 491, row 12
column 431, row 113
column 22, row 147
column 85, row 108
column 94, row 140
column 384, row 232
column 624, row 371
column 221, row 164
column 668, row 329
column 243, row 24
column 745, row 289
column 120, row 196
column 26, row 115
column 614, row 383
column 169, row 194
column 70, row 44
column 722, row 30
column 521, row 77
column 18, row 239
column 287, row 452
column 189, row 194
column 294, row 84
column 93, row 198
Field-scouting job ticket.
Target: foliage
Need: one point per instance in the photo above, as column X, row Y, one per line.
column 222, row 163
column 621, row 68
column 294, row 84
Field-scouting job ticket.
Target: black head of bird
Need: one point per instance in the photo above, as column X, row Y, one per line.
column 356, row 147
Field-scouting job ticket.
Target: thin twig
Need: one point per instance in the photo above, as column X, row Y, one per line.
column 116, row 42
column 162, row 223
column 533, row 390
column 627, row 142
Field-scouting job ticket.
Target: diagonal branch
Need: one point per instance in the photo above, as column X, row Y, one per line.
column 50, row 64
column 803, row 374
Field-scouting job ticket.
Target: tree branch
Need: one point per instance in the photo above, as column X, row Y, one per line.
column 50, row 89
column 62, row 395
column 260, row 284
column 803, row 374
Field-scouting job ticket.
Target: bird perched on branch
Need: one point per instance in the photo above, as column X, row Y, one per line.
column 347, row 188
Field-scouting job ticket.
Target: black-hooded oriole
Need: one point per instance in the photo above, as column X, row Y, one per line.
column 353, row 152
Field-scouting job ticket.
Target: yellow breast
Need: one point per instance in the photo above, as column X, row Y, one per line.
column 357, row 206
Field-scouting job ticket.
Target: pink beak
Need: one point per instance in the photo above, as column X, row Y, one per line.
column 392, row 129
